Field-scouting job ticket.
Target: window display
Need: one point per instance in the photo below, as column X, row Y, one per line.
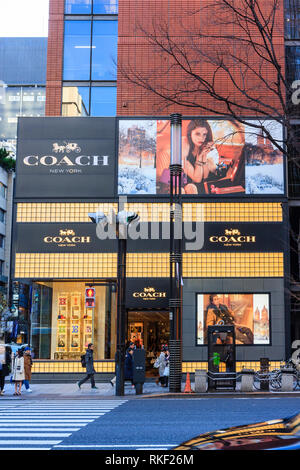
column 73, row 326
column 248, row 313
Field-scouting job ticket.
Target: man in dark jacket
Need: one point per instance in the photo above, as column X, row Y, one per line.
column 89, row 364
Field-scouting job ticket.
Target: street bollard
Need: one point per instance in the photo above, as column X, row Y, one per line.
column 287, row 380
column 139, row 356
column 247, row 380
column 200, row 381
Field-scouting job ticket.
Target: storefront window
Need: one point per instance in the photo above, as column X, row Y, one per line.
column 62, row 326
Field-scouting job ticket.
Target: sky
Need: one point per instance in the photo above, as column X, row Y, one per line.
column 24, row 18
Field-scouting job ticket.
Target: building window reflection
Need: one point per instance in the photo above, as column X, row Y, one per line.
column 77, row 50
column 104, row 50
column 19, row 101
column 87, row 7
column 103, row 101
column 292, row 19
column 75, row 101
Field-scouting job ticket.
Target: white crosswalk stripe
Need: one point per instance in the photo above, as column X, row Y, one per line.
column 40, row 426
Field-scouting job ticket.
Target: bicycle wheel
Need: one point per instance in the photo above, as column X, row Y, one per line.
column 275, row 380
column 256, row 381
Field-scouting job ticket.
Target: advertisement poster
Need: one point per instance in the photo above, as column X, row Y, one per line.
column 219, row 157
column 249, row 313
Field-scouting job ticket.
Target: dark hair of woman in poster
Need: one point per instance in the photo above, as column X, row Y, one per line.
column 199, row 155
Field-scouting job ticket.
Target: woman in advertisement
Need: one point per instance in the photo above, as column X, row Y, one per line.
column 200, row 157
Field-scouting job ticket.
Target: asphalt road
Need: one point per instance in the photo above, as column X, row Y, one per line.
column 128, row 424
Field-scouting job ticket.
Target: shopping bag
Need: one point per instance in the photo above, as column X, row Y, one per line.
column 167, row 371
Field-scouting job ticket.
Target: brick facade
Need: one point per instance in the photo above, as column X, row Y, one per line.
column 135, row 53
column 55, row 58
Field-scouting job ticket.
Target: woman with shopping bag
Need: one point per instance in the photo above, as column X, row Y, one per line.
column 162, row 364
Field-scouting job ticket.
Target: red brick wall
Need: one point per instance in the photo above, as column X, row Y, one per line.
column 54, row 58
column 135, row 52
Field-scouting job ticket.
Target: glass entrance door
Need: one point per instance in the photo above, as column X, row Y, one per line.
column 149, row 329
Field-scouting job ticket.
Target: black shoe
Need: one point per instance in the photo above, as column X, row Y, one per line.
column 95, row 387
column 78, row 383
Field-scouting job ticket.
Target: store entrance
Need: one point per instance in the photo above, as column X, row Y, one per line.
column 150, row 329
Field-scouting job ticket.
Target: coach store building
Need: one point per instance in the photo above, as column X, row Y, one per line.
column 234, row 241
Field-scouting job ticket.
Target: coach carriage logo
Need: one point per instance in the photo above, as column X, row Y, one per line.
column 66, row 232
column 66, row 147
column 231, row 231
column 67, row 238
column 232, row 237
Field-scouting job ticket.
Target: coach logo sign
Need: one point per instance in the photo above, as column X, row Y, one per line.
column 66, row 147
column 232, row 237
column 67, row 238
column 60, row 163
column 149, row 293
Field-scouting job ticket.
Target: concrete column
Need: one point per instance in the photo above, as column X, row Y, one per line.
column 247, row 380
column 287, row 380
column 200, row 381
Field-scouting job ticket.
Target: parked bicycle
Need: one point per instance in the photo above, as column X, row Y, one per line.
column 274, row 377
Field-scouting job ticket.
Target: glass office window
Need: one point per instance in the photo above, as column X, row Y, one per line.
column 103, row 101
column 75, row 101
column 73, row 7
column 292, row 19
column 293, row 63
column 3, row 189
column 108, row 7
column 19, row 101
column 104, row 52
column 2, row 216
column 77, row 50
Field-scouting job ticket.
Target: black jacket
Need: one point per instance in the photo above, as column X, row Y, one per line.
column 89, row 360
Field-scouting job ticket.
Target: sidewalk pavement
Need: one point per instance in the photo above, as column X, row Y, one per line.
column 106, row 391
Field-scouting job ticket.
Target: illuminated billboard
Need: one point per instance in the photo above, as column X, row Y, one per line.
column 219, row 157
column 249, row 313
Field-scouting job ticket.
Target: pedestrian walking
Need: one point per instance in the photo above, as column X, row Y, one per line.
column 27, row 367
column 162, row 363
column 131, row 346
column 18, row 371
column 5, row 368
column 89, row 364
column 128, row 369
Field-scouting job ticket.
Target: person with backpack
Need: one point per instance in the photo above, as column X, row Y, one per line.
column 87, row 361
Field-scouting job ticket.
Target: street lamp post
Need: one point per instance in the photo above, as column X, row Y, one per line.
column 175, row 301
column 123, row 220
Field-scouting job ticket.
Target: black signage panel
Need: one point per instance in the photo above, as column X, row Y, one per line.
column 82, row 237
column 65, row 157
column 147, row 293
column 60, row 238
column 254, row 237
